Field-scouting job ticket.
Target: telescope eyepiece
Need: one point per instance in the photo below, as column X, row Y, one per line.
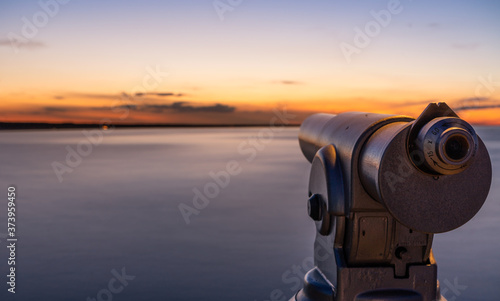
column 445, row 146
column 456, row 147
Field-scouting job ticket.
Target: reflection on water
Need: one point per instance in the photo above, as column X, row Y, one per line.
column 118, row 208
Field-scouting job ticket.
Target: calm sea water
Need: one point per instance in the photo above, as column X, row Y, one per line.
column 118, row 209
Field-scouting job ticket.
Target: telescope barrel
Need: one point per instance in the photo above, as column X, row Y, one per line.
column 432, row 174
column 343, row 129
column 311, row 132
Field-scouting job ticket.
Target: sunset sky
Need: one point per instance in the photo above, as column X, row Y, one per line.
column 233, row 61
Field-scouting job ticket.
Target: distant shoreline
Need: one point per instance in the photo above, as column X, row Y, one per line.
column 56, row 126
column 4, row 126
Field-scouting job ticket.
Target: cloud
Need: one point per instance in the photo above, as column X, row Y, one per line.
column 185, row 107
column 479, row 107
column 128, row 106
column 99, row 96
column 288, row 82
column 471, row 99
column 127, row 96
column 56, row 109
column 179, row 107
column 434, row 25
column 59, row 97
column 480, row 103
column 163, row 94
column 28, row 45
column 465, row 46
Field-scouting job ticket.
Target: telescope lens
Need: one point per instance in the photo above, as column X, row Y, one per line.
column 456, row 147
column 447, row 145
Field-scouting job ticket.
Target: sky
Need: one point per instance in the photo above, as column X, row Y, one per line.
column 240, row 61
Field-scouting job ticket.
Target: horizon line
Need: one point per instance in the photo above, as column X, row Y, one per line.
column 71, row 125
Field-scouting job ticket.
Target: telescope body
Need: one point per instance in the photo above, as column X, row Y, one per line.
column 381, row 186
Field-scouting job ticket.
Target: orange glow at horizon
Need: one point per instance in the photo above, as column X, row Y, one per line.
column 92, row 109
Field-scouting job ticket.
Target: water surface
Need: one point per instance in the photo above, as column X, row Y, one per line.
column 119, row 208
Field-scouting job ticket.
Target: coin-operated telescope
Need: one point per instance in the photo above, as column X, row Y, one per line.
column 381, row 186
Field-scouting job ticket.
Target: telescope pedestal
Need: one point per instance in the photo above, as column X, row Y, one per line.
column 372, row 284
